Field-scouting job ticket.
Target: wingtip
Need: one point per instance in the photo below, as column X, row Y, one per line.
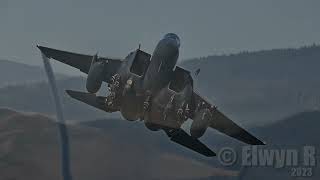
column 260, row 143
column 211, row 154
column 40, row 47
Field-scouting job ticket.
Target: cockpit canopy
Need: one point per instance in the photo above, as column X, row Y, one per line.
column 173, row 37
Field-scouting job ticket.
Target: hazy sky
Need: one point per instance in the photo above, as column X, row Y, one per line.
column 115, row 27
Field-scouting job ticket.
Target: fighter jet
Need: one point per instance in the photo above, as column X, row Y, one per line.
column 152, row 89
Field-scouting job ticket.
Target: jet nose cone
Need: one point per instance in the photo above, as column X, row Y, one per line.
column 172, row 39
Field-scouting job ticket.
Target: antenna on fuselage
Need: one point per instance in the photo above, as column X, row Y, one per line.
column 139, row 46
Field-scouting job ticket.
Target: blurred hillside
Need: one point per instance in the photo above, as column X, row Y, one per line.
column 294, row 132
column 258, row 87
column 36, row 97
column 105, row 148
column 29, row 149
column 13, row 73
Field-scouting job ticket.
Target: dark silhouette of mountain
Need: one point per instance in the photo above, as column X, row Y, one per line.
column 257, row 87
column 29, row 149
column 12, row 73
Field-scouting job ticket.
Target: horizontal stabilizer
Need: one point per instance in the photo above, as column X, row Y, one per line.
column 90, row 99
column 181, row 137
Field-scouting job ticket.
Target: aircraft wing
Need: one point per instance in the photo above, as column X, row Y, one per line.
column 79, row 61
column 225, row 125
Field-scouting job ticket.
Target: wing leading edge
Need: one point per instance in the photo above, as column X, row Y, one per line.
column 80, row 61
column 225, row 125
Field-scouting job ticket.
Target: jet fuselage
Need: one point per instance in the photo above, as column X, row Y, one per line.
column 163, row 60
column 151, row 94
